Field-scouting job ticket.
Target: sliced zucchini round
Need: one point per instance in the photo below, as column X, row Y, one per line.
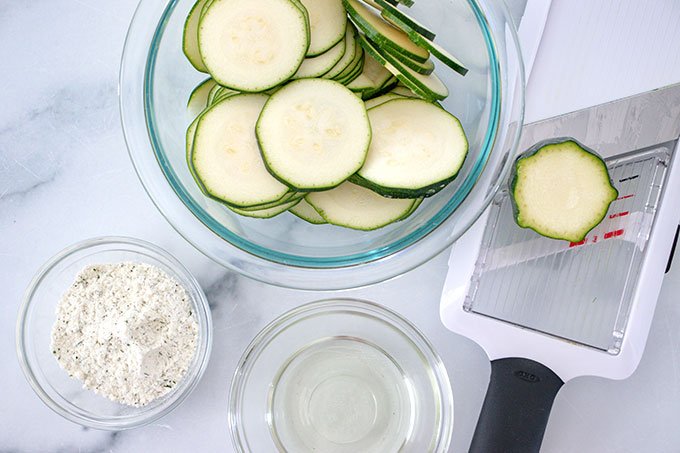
column 191, row 133
column 429, row 87
column 252, row 46
column 356, row 207
column 190, row 37
column 369, row 21
column 355, row 67
column 198, row 99
column 267, row 213
column 414, row 208
column 287, row 198
column 226, row 157
column 421, row 68
column 404, row 91
column 372, row 77
column 307, row 212
column 313, row 134
column 347, row 59
column 320, row 65
column 439, row 52
column 223, row 94
column 561, row 189
column 386, row 87
column 402, row 20
column 382, row 99
column 328, row 20
column 416, row 150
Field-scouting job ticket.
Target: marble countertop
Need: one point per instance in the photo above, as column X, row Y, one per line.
column 65, row 176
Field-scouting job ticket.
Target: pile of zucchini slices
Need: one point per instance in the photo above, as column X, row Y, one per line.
column 324, row 108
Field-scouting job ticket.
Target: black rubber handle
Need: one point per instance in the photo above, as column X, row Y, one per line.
column 516, row 408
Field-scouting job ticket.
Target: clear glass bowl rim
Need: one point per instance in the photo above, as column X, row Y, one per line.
column 193, row 374
column 358, row 306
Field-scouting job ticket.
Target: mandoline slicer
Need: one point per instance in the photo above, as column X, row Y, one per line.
column 547, row 311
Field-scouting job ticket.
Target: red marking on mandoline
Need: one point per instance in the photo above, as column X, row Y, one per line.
column 626, row 196
column 612, row 234
column 619, row 214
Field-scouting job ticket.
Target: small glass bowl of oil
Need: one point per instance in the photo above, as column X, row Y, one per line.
column 341, row 376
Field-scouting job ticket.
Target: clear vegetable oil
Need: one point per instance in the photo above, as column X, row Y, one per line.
column 340, row 395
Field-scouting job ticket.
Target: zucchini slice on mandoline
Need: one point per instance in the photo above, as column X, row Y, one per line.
column 252, row 45
column 356, row 207
column 267, row 213
column 402, row 20
column 190, row 37
column 385, row 35
column 327, row 19
column 318, row 66
column 428, row 87
column 313, row 134
column 306, row 212
column 561, row 189
column 198, row 99
column 226, row 157
column 416, row 150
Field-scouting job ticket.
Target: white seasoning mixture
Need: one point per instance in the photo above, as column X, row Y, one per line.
column 126, row 330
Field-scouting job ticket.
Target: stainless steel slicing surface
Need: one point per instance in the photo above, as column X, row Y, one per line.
column 580, row 292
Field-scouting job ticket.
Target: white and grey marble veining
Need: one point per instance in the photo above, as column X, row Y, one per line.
column 65, row 176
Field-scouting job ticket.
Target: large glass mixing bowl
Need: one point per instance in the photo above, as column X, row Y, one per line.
column 156, row 79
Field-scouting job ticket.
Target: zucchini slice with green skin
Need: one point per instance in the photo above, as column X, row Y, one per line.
column 191, row 133
column 250, row 45
column 190, row 37
column 213, row 92
column 426, row 68
column 373, row 76
column 428, row 87
column 320, row 65
column 404, row 91
column 406, row 3
column 350, row 52
column 287, row 198
column 561, row 189
column 328, row 20
column 356, row 65
column 313, row 134
column 382, row 99
column 302, row 8
column 223, row 94
column 226, row 156
column 402, row 20
column 385, row 35
column 306, row 212
column 198, row 99
column 387, row 86
column 356, row 207
column 416, row 150
column 416, row 205
column 439, row 52
column 267, row 213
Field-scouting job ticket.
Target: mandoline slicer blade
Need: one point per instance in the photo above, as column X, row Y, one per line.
column 580, row 292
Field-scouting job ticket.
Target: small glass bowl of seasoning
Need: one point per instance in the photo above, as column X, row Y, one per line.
column 95, row 342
